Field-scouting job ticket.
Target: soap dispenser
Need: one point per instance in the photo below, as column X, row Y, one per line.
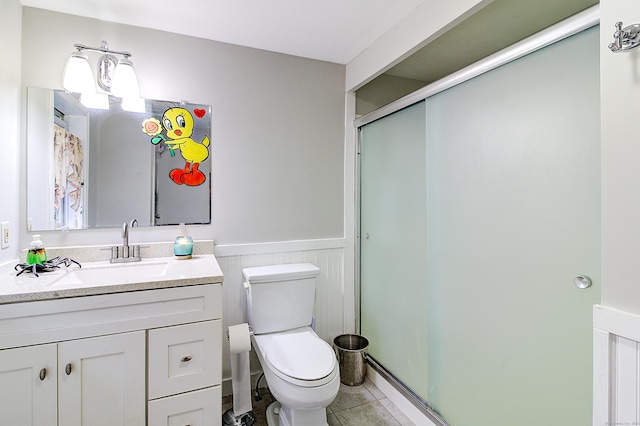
column 36, row 253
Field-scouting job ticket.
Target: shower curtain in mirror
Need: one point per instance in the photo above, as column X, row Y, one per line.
column 68, row 172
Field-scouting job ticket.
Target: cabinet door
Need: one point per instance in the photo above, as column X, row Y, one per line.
column 28, row 386
column 102, row 380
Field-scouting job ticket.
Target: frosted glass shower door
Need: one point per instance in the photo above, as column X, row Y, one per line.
column 478, row 207
column 393, row 243
column 513, row 216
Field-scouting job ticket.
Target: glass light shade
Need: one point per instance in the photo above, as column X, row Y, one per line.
column 95, row 100
column 133, row 104
column 77, row 76
column 125, row 83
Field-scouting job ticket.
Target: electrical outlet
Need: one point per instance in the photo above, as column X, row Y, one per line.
column 4, row 234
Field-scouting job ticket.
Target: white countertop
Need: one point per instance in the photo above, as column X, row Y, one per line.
column 102, row 277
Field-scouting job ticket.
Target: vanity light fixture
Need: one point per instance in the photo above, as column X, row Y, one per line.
column 115, row 72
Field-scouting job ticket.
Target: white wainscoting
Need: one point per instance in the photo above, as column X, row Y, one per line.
column 332, row 295
column 616, row 367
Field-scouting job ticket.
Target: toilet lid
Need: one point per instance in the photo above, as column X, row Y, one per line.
column 301, row 355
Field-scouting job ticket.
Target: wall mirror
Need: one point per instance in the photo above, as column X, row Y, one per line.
column 100, row 167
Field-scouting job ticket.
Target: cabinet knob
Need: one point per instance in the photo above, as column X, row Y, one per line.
column 186, row 358
column 43, row 374
column 67, row 369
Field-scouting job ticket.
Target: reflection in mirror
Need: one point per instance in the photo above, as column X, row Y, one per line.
column 97, row 168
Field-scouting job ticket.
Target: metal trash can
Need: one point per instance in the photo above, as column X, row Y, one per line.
column 351, row 351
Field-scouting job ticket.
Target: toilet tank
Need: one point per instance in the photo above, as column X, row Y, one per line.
column 280, row 297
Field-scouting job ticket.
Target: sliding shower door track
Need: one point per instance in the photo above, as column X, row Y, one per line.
column 406, row 391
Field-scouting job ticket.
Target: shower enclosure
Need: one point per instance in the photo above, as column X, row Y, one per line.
column 479, row 205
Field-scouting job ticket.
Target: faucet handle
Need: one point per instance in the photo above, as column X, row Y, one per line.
column 113, row 250
column 133, row 223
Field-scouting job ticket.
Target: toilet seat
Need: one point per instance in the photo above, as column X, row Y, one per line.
column 301, row 358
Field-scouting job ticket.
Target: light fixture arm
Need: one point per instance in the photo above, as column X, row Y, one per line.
column 104, row 48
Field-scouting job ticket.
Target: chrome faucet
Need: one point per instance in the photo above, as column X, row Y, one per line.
column 125, row 252
column 125, row 235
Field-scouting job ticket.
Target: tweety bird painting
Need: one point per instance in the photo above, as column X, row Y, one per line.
column 178, row 123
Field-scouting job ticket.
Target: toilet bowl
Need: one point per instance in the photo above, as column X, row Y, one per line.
column 302, row 374
column 300, row 368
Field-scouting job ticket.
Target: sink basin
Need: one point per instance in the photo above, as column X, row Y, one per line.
column 113, row 274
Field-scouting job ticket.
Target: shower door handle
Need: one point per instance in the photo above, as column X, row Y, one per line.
column 582, row 281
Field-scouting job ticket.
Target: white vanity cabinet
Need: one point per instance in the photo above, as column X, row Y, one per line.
column 92, row 381
column 28, row 385
column 145, row 357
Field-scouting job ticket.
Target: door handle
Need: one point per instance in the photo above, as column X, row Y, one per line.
column 582, row 281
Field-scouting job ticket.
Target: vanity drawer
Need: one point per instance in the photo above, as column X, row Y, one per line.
column 184, row 357
column 198, row 408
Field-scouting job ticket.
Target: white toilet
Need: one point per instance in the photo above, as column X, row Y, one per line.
column 301, row 369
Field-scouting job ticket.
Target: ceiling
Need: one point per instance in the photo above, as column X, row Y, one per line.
column 329, row 30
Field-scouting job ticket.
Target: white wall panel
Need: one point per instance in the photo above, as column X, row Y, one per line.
column 625, row 383
column 616, row 367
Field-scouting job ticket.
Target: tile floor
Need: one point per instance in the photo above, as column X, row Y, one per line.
column 362, row 405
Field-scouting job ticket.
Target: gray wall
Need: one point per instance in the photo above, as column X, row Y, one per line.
column 277, row 144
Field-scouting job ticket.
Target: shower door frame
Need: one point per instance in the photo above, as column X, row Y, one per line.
column 573, row 25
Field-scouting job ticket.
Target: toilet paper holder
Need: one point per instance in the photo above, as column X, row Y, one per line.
column 241, row 414
column 250, row 332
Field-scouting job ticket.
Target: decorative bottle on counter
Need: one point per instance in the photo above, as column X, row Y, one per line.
column 36, row 253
